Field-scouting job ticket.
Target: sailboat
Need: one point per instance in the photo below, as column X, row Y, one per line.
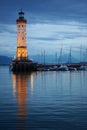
column 62, row 67
column 70, row 61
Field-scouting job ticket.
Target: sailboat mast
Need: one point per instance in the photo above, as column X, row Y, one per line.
column 60, row 56
column 69, row 60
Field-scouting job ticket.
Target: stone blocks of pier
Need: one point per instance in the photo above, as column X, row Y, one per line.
column 23, row 66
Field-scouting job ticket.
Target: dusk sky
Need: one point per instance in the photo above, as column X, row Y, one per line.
column 52, row 24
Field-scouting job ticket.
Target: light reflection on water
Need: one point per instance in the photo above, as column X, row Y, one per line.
column 20, row 84
column 43, row 100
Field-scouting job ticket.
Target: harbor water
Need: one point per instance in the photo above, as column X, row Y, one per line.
column 48, row 100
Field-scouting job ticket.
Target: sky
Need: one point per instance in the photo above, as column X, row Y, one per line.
column 51, row 25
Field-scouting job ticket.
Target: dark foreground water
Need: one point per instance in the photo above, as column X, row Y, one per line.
column 43, row 100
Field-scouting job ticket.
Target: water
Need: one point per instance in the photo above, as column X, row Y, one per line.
column 43, row 100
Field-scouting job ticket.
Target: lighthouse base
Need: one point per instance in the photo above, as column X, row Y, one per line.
column 23, row 66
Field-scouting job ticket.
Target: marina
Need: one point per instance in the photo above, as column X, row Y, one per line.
column 62, row 67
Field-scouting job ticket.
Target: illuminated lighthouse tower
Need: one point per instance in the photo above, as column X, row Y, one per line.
column 21, row 52
column 21, row 63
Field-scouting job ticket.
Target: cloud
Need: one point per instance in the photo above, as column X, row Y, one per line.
column 51, row 37
column 44, row 11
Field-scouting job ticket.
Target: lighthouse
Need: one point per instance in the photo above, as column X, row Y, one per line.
column 21, row 51
column 21, row 63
